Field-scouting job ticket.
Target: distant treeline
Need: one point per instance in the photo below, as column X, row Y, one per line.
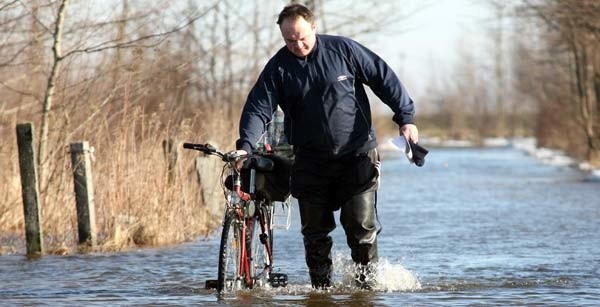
column 540, row 77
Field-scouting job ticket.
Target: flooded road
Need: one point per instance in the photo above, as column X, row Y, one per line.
column 474, row 226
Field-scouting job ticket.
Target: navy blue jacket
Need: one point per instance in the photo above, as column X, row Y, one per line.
column 327, row 113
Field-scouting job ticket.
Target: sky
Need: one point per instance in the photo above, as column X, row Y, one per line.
column 428, row 47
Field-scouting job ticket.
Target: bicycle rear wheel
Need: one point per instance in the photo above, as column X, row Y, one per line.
column 230, row 255
column 262, row 245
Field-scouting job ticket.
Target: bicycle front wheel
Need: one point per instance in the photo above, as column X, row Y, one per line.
column 230, row 255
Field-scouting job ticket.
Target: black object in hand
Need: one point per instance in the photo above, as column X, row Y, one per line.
column 418, row 152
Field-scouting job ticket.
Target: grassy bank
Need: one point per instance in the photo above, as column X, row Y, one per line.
column 136, row 203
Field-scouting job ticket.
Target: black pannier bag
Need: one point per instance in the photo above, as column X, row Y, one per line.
column 273, row 181
column 274, row 184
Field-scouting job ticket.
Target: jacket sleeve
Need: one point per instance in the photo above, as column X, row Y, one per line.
column 259, row 108
column 377, row 74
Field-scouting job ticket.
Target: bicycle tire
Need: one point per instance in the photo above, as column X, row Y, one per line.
column 229, row 255
column 261, row 263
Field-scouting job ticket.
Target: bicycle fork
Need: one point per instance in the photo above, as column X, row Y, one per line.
column 244, row 267
column 245, row 258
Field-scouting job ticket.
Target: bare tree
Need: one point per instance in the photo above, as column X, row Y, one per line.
column 500, row 98
column 49, row 95
column 570, row 31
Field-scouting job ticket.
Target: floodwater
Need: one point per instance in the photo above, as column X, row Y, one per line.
column 472, row 227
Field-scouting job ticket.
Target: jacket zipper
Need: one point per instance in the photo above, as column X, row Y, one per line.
column 312, row 75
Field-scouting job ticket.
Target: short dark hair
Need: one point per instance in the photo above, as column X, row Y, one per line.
column 295, row 11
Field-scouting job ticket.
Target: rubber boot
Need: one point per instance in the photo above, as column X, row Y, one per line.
column 365, row 276
column 358, row 219
column 317, row 222
column 320, row 278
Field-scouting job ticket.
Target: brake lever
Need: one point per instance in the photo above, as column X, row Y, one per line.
column 235, row 155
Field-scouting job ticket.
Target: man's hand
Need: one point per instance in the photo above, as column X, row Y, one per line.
column 410, row 132
column 238, row 153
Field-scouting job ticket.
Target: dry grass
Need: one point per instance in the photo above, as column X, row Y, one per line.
column 136, row 204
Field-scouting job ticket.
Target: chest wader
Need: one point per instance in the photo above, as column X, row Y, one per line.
column 321, row 188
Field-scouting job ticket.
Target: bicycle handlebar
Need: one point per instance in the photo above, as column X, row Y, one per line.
column 206, row 148
column 209, row 149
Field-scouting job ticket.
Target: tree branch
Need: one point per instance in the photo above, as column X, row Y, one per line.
column 35, row 18
column 113, row 44
column 8, row 4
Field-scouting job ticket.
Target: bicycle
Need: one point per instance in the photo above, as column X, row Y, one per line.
column 246, row 247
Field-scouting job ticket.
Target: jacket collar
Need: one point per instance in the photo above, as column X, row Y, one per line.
column 312, row 53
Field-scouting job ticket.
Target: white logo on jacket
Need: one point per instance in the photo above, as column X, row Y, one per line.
column 342, row 78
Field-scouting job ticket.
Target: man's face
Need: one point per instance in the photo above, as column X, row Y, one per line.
column 299, row 35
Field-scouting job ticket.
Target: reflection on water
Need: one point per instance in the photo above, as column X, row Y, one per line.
column 474, row 226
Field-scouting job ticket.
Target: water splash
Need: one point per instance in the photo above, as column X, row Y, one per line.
column 389, row 277
column 394, row 277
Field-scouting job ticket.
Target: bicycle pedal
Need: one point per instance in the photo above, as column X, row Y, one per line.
column 210, row 284
column 278, row 280
column 263, row 238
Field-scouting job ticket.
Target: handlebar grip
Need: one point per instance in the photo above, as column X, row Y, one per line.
column 205, row 148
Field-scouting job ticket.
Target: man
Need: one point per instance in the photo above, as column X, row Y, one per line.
column 317, row 80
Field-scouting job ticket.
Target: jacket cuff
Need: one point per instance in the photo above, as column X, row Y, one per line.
column 403, row 119
column 242, row 144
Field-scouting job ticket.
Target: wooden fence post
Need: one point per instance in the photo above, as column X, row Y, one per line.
column 207, row 170
column 29, row 187
column 84, row 193
column 171, row 154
